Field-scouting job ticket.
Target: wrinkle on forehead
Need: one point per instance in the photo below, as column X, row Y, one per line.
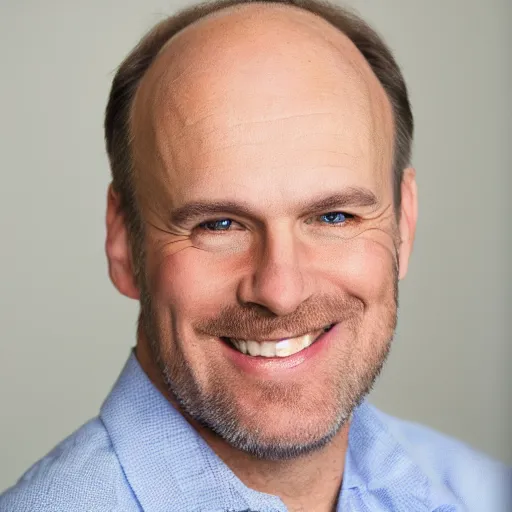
column 212, row 76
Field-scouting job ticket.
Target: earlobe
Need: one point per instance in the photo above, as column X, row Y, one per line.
column 408, row 219
column 117, row 248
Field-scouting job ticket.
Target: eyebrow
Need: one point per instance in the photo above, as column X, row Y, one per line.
column 194, row 211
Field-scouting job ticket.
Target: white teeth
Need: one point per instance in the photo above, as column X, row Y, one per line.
column 267, row 349
column 253, row 347
column 282, row 348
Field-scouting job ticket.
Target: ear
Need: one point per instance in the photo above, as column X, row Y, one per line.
column 117, row 247
column 408, row 219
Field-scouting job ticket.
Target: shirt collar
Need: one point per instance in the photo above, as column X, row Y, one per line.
column 383, row 473
column 167, row 462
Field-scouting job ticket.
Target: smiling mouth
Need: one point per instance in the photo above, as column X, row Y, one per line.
column 281, row 348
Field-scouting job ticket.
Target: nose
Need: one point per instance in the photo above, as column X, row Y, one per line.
column 276, row 280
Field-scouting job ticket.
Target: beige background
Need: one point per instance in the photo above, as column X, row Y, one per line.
column 65, row 332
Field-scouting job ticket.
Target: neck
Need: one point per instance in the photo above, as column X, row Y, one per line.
column 309, row 483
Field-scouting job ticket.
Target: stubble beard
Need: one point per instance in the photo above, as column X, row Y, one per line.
column 218, row 412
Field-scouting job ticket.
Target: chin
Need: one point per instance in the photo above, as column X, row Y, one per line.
column 271, row 439
column 269, row 422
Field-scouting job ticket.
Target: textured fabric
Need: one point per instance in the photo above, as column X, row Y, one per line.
column 141, row 455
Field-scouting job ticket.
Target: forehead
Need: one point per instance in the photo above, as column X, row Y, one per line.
column 265, row 92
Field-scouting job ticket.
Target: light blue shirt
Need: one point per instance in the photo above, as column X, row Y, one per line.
column 140, row 454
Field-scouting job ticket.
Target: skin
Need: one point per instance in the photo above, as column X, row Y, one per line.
column 272, row 107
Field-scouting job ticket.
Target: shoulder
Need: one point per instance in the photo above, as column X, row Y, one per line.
column 80, row 473
column 472, row 477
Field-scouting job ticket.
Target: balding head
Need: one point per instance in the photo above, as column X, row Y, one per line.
column 135, row 66
column 257, row 87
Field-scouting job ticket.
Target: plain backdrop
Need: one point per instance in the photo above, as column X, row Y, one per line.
column 65, row 332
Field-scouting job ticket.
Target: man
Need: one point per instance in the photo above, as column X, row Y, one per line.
column 262, row 211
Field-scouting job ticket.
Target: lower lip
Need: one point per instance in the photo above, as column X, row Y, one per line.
column 258, row 365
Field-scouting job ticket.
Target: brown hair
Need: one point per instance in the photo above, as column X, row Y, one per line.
column 133, row 68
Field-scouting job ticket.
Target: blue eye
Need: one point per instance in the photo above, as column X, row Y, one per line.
column 223, row 225
column 335, row 218
column 211, row 224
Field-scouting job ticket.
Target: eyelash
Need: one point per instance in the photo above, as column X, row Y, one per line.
column 200, row 226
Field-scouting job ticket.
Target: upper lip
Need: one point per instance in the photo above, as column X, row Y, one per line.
column 279, row 338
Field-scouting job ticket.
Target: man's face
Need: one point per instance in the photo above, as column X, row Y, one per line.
column 272, row 112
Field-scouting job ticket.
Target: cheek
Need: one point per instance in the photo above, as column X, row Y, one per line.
column 365, row 269
column 189, row 282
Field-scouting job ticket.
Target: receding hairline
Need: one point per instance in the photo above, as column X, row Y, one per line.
column 315, row 22
column 340, row 44
column 257, row 6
